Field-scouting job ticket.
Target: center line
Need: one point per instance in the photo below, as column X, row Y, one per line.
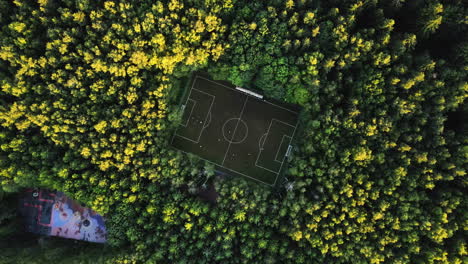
column 234, row 133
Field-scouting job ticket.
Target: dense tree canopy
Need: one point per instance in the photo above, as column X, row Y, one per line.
column 89, row 100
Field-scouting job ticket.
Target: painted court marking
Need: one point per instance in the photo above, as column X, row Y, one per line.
column 231, row 140
column 191, row 111
column 240, row 173
column 235, row 129
column 208, row 115
column 281, row 144
column 261, row 149
column 209, row 120
column 261, row 142
column 292, row 135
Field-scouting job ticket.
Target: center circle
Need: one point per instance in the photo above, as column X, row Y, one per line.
column 235, row 130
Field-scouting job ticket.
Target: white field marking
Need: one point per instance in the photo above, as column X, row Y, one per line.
column 222, row 129
column 284, row 123
column 261, row 148
column 209, row 121
column 260, row 143
column 292, row 136
column 246, row 132
column 234, row 133
column 208, row 114
column 250, row 95
column 288, row 152
column 260, row 152
column 214, row 82
column 280, row 107
column 188, row 97
column 275, row 172
column 191, row 110
column 227, row 168
column 200, row 77
column 213, row 98
column 230, row 141
column 203, row 92
column 206, row 119
column 277, row 152
column 177, row 135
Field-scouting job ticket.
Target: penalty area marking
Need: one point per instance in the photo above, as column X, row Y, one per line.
column 288, row 152
column 283, row 122
column 262, row 144
column 281, row 144
column 191, row 111
column 209, row 121
column 261, row 149
column 208, row 114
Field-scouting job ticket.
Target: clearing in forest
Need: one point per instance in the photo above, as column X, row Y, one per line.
column 240, row 133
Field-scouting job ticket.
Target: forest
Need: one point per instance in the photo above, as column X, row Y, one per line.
column 89, row 100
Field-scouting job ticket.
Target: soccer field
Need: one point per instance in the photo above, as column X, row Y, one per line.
column 238, row 132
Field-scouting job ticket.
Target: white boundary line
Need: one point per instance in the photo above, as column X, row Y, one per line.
column 188, row 97
column 226, row 168
column 261, row 149
column 224, row 124
column 255, row 179
column 201, row 77
column 175, row 134
column 247, row 94
column 281, row 144
column 246, row 132
column 208, row 114
column 209, row 121
column 279, row 106
column 203, row 92
column 235, row 129
column 189, row 139
column 288, row 151
column 292, row 136
column 191, row 111
column 206, row 117
column 260, row 145
column 230, row 141
column 275, row 172
column 283, row 122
